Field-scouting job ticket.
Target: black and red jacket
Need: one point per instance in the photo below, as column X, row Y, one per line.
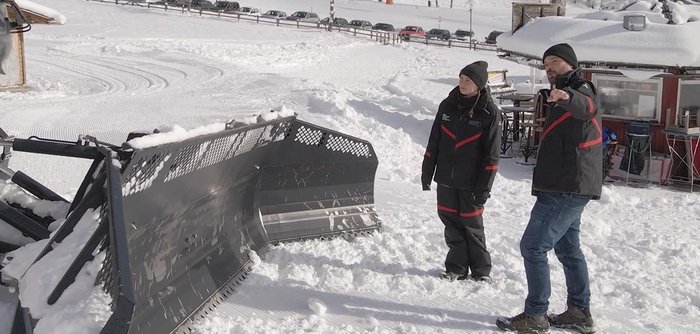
column 465, row 149
column 570, row 156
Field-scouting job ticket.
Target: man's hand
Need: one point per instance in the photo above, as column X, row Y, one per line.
column 558, row 95
column 480, row 198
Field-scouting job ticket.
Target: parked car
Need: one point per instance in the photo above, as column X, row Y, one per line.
column 203, row 5
column 249, row 11
column 304, row 17
column 491, row 38
column 274, row 14
column 338, row 21
column 411, row 31
column 438, row 34
column 183, row 3
column 360, row 24
column 227, row 6
column 462, row 35
column 384, row 27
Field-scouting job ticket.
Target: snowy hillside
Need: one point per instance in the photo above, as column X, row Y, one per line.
column 114, row 69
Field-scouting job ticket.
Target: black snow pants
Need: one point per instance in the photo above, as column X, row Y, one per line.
column 464, row 232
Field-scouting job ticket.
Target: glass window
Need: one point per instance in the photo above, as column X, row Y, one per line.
column 689, row 96
column 689, row 101
column 621, row 97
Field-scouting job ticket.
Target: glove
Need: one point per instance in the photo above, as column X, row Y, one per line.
column 480, row 197
column 425, row 180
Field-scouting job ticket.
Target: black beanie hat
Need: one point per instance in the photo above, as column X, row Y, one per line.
column 477, row 72
column 563, row 51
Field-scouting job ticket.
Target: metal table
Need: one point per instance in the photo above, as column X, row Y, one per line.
column 691, row 141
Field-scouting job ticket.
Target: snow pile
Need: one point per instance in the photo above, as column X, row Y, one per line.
column 174, row 134
column 681, row 12
column 274, row 113
column 317, row 306
column 178, row 133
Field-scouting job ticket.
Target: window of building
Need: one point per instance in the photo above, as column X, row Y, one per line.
column 689, row 96
column 621, row 97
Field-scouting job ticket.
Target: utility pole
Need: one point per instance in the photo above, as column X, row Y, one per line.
column 332, row 20
column 471, row 32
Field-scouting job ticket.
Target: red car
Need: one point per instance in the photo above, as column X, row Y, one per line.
column 411, row 31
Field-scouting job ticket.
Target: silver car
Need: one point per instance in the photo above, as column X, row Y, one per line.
column 304, row 17
column 252, row 11
column 274, row 14
column 360, row 24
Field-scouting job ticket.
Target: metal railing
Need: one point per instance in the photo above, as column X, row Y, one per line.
column 452, row 43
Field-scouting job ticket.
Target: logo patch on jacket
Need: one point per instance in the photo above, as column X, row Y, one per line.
column 445, row 118
column 475, row 123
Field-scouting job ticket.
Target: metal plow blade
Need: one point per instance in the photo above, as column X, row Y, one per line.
column 180, row 219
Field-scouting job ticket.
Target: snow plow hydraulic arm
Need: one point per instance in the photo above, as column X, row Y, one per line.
column 80, row 149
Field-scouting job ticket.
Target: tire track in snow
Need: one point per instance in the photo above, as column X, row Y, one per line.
column 75, row 72
column 132, row 78
column 109, row 91
column 82, row 68
column 130, row 75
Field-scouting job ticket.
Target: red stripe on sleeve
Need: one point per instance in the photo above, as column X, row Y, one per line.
column 591, row 106
column 591, row 143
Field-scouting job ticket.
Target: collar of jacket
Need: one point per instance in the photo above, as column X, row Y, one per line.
column 564, row 80
column 481, row 103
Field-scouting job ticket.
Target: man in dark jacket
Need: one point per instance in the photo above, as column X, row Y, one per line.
column 464, row 146
column 568, row 174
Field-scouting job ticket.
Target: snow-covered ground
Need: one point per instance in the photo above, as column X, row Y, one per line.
column 114, row 69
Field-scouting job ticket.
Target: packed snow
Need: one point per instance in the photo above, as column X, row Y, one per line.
column 113, row 69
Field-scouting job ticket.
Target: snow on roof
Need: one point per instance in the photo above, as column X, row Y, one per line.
column 599, row 37
column 27, row 5
column 680, row 13
column 598, row 41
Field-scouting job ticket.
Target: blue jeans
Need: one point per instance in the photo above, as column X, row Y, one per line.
column 554, row 223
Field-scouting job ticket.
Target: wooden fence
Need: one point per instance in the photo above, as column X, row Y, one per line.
column 376, row 35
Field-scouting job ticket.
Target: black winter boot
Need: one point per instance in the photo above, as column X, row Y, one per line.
column 524, row 324
column 573, row 318
column 452, row 276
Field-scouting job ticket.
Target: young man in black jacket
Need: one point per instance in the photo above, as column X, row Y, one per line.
column 568, row 174
column 464, row 146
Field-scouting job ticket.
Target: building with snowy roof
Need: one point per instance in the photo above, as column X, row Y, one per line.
column 643, row 57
